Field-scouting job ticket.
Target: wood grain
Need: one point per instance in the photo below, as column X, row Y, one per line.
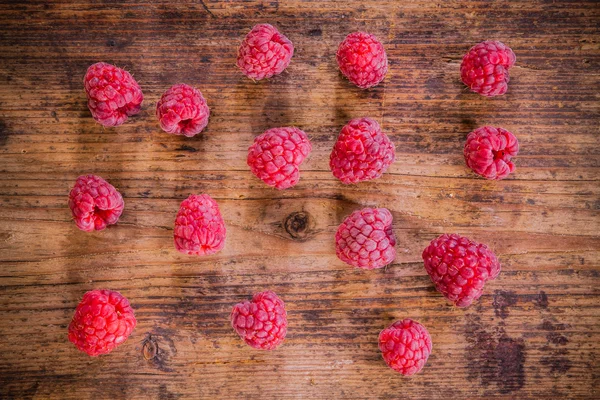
column 534, row 334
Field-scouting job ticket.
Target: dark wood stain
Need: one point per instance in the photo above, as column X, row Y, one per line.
column 534, row 333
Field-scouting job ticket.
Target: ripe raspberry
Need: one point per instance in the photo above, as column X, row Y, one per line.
column 362, row 152
column 182, row 110
column 95, row 203
column 262, row 322
column 405, row 346
column 276, row 155
column 264, row 52
column 102, row 321
column 484, row 68
column 113, row 94
column 365, row 239
column 362, row 59
column 488, row 152
column 199, row 226
column 459, row 267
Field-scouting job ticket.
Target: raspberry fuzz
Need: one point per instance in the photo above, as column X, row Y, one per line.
column 102, row 321
column 262, row 322
column 95, row 203
column 365, row 239
column 484, row 68
column 264, row 52
column 113, row 94
column 362, row 59
column 488, row 152
column 405, row 346
column 182, row 110
column 276, row 155
column 362, row 152
column 199, row 226
column 459, row 267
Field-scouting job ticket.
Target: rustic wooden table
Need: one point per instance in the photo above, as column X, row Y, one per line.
column 534, row 334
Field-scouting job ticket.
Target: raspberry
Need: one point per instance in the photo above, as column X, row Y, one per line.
column 95, row 203
column 276, row 155
column 264, row 52
column 182, row 110
column 488, row 152
column 405, row 346
column 459, row 267
column 262, row 322
column 362, row 152
column 362, row 59
column 365, row 239
column 102, row 321
column 113, row 94
column 199, row 226
column 484, row 68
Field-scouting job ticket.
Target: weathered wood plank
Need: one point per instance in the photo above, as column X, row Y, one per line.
column 535, row 332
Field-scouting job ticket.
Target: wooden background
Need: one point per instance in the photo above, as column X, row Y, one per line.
column 534, row 334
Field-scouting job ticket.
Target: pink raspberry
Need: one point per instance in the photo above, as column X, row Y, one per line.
column 484, row 68
column 365, row 239
column 459, row 267
column 362, row 152
column 199, row 226
column 276, row 155
column 488, row 152
column 102, row 321
column 262, row 322
column 182, row 110
column 113, row 94
column 264, row 52
column 362, row 59
column 95, row 203
column 405, row 346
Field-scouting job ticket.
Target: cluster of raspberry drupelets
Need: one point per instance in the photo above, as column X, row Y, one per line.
column 458, row 266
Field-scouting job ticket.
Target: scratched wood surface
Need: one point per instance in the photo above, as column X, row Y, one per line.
column 534, row 334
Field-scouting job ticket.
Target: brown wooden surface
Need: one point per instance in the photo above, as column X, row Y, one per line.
column 534, row 334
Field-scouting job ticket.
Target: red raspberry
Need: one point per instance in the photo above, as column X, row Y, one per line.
column 362, row 59
column 484, row 68
column 95, row 203
column 365, row 239
column 276, row 155
column 362, row 152
column 264, row 52
column 102, row 321
column 182, row 110
column 262, row 322
column 113, row 94
column 405, row 346
column 488, row 152
column 459, row 267
column 199, row 226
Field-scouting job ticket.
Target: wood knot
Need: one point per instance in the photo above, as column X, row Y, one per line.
column 297, row 224
column 149, row 348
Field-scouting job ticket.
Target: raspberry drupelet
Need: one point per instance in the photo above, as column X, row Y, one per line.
column 113, row 95
column 365, row 239
column 262, row 322
column 102, row 321
column 488, row 152
column 199, row 226
column 95, row 203
column 362, row 152
column 264, row 52
column 459, row 267
column 484, row 69
column 182, row 110
column 362, row 59
column 405, row 346
column 276, row 155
